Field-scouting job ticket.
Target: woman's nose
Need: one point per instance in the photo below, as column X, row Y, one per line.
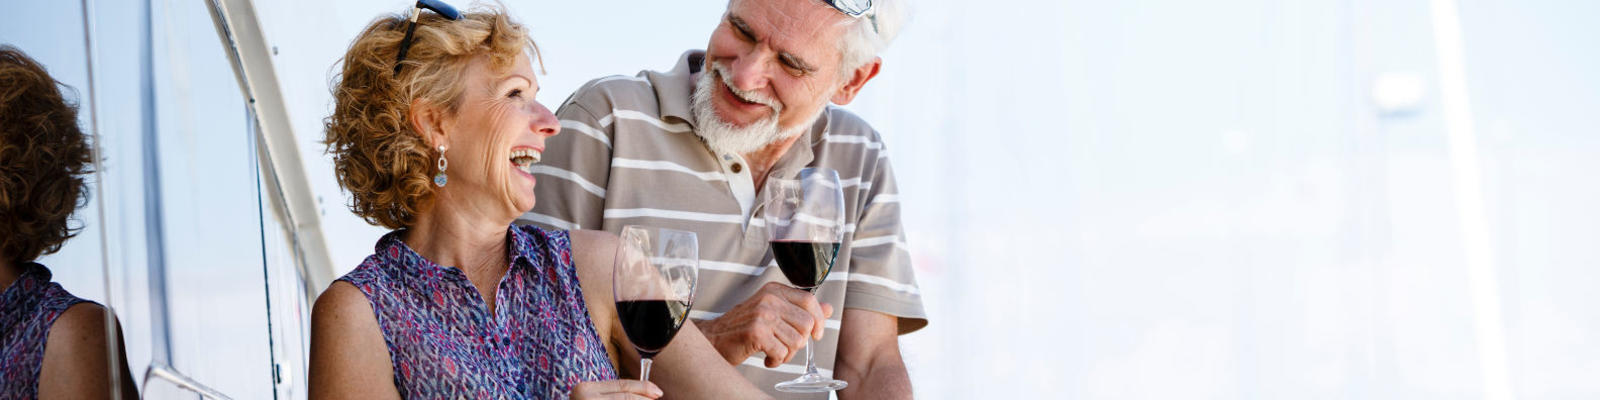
column 545, row 122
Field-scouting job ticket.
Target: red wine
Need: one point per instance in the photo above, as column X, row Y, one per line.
column 651, row 324
column 806, row 264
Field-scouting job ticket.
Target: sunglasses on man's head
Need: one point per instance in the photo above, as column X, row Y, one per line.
column 853, row 8
column 444, row 10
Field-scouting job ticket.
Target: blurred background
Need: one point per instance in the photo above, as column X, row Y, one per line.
column 1234, row 199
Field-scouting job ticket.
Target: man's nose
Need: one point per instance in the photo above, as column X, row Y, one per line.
column 749, row 71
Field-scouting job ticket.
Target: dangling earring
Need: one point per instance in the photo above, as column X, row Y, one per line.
column 440, row 179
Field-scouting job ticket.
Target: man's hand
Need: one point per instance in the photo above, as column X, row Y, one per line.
column 775, row 321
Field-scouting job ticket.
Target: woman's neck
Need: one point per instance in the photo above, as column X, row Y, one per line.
column 458, row 235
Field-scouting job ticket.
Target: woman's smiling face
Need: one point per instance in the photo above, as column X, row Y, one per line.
column 495, row 137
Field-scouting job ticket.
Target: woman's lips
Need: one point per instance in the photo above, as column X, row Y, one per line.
column 518, row 169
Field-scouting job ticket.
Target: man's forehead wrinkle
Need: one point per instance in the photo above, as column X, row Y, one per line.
column 799, row 26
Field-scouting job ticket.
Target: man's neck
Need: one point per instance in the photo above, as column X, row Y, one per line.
column 762, row 160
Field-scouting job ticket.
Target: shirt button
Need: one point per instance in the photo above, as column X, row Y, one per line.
column 737, row 168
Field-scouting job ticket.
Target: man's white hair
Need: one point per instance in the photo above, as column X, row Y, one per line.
column 868, row 36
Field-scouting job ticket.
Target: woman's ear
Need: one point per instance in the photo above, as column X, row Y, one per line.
column 429, row 122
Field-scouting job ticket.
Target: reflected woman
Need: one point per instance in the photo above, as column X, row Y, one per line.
column 53, row 345
column 457, row 301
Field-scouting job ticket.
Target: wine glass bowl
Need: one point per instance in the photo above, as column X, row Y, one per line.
column 653, row 281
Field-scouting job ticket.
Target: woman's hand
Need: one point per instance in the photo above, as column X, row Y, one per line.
column 618, row 389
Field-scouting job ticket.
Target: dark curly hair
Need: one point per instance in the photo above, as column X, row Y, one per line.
column 44, row 157
column 385, row 164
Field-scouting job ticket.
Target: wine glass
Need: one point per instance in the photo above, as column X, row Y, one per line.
column 653, row 283
column 805, row 223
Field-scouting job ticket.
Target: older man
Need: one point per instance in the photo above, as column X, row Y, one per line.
column 689, row 148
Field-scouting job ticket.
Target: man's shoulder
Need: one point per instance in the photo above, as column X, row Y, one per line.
column 844, row 125
column 612, row 92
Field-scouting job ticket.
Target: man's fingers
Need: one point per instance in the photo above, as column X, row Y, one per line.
column 802, row 322
column 807, row 303
column 822, row 328
column 793, row 337
column 777, row 352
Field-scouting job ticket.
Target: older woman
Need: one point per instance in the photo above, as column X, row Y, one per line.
column 53, row 345
column 457, row 301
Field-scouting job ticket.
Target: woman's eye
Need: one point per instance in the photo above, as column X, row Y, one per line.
column 514, row 93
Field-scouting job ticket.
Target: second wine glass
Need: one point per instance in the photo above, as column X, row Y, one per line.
column 653, row 282
column 805, row 223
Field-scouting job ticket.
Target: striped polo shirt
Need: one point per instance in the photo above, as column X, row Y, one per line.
column 628, row 155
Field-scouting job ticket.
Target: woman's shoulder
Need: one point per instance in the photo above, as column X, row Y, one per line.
column 77, row 345
column 79, row 330
column 342, row 302
column 346, row 343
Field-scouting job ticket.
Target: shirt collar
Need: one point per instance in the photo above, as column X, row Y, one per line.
column 21, row 299
column 521, row 249
column 675, row 87
column 33, row 274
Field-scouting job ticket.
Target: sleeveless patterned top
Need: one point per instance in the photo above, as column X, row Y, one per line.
column 444, row 343
column 27, row 310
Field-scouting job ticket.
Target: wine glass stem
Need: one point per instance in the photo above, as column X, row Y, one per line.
column 811, row 365
column 644, row 369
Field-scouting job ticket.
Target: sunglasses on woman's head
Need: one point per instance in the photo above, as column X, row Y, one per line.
column 444, row 10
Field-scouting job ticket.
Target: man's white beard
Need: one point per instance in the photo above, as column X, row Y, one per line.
column 724, row 137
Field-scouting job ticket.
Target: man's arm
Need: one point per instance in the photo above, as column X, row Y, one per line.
column 869, row 357
column 882, row 300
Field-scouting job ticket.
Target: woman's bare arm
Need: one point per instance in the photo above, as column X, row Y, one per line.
column 689, row 368
column 349, row 359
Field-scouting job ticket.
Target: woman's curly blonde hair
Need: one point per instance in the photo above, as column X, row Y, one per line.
column 44, row 157
column 385, row 164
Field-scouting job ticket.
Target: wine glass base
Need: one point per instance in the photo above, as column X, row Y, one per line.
column 811, row 383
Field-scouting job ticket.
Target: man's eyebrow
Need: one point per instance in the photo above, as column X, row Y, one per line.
column 793, row 60
column 742, row 27
column 797, row 62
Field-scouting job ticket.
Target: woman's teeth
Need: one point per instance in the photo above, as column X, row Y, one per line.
column 525, row 158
